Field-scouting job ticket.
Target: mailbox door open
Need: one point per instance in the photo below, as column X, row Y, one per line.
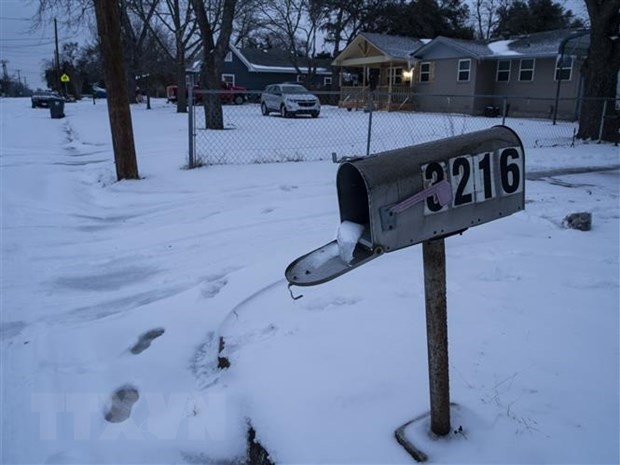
column 407, row 196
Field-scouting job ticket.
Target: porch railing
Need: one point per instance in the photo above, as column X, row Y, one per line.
column 395, row 97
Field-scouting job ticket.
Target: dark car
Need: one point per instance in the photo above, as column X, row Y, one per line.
column 41, row 98
column 99, row 92
column 228, row 94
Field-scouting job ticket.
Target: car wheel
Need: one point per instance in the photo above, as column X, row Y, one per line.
column 315, row 114
column 263, row 109
column 238, row 99
column 284, row 112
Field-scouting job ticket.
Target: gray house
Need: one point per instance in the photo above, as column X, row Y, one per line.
column 385, row 58
column 537, row 75
column 531, row 74
column 256, row 68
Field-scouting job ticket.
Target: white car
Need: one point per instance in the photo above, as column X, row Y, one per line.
column 289, row 100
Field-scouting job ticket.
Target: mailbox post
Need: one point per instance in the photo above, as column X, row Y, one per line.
column 422, row 194
column 434, row 253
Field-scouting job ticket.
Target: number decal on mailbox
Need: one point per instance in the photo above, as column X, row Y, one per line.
column 473, row 177
column 485, row 181
column 510, row 164
column 462, row 180
column 433, row 173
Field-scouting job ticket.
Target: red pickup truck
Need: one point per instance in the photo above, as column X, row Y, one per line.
column 229, row 94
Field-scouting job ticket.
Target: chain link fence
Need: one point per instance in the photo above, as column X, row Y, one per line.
column 360, row 130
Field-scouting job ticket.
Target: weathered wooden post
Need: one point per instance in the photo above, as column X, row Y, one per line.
column 434, row 253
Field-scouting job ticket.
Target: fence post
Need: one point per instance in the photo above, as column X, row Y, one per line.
column 371, row 104
column 504, row 108
column 600, row 130
column 190, row 123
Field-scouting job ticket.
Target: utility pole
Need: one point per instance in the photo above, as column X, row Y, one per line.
column 57, row 81
column 5, row 78
column 19, row 81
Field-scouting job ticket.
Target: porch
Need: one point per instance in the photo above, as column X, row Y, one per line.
column 393, row 97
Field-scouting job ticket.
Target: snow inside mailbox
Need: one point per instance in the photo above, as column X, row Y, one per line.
column 406, row 196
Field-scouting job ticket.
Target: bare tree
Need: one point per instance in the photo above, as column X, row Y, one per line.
column 136, row 38
column 600, row 70
column 293, row 25
column 215, row 27
column 109, row 30
column 247, row 23
column 346, row 19
column 171, row 18
column 486, row 16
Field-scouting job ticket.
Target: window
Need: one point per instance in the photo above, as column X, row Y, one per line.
column 564, row 68
column 526, row 70
column 503, row 71
column 301, row 77
column 396, row 75
column 228, row 57
column 464, row 70
column 228, row 78
column 327, row 81
column 425, row 71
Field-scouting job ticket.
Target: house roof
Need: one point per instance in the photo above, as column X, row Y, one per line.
column 368, row 49
column 541, row 44
column 393, row 46
column 469, row 48
column 275, row 60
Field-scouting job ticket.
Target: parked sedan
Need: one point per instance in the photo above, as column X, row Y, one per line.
column 289, row 100
column 41, row 98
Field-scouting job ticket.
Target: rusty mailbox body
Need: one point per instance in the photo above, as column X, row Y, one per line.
column 407, row 196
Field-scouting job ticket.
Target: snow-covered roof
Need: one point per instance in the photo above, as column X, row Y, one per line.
column 540, row 44
column 501, row 47
column 271, row 61
column 276, row 60
column 393, row 46
column 470, row 48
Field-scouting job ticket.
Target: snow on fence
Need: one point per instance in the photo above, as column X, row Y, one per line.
column 250, row 137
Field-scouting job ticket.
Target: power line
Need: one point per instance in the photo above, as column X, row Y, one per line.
column 25, row 46
column 25, row 38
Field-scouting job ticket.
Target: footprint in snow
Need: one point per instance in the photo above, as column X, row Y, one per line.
column 145, row 340
column 121, row 404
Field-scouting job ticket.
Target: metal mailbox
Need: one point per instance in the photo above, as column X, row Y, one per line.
column 407, row 196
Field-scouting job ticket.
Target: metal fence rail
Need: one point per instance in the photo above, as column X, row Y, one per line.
column 249, row 137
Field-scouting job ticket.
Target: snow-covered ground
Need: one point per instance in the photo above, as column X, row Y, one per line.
column 127, row 287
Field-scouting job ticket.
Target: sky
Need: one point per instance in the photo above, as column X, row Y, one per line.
column 26, row 50
column 114, row 296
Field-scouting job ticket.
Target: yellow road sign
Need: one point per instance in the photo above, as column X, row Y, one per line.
column 65, row 78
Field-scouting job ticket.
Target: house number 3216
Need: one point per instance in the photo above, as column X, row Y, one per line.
column 475, row 178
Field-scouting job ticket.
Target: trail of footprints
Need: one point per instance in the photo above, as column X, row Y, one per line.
column 124, row 398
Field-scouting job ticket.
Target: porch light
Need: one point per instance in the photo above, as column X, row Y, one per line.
column 407, row 75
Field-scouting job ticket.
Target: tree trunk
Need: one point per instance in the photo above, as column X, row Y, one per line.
column 181, row 83
column 108, row 28
column 212, row 57
column 600, row 71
